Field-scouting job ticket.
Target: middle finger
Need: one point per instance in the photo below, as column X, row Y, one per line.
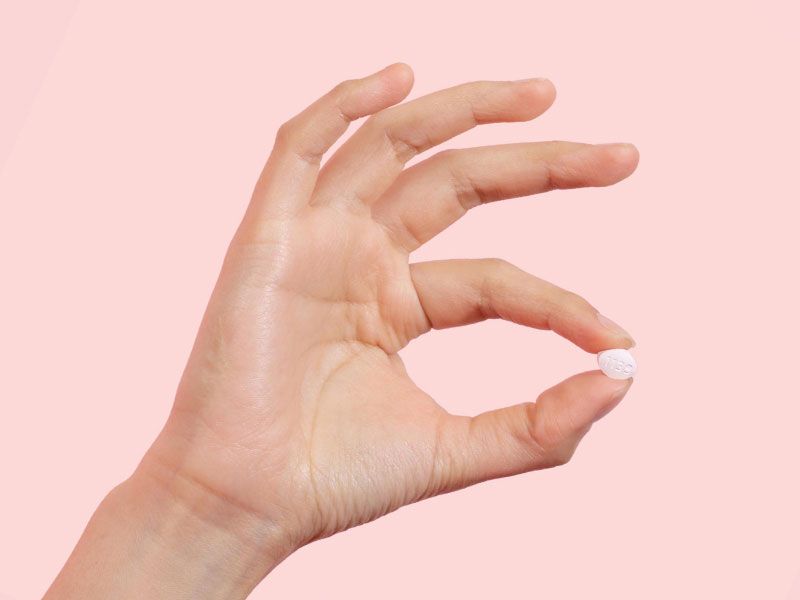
column 370, row 160
column 430, row 196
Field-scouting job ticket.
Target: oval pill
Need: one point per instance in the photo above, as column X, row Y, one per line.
column 617, row 363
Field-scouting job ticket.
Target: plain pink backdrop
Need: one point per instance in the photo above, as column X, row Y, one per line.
column 131, row 135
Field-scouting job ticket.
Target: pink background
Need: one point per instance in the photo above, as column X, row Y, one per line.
column 131, row 135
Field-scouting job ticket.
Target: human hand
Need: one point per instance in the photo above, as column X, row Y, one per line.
column 295, row 411
column 295, row 404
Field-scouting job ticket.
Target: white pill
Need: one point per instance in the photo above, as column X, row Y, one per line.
column 617, row 363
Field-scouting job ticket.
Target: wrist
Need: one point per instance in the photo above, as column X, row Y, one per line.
column 207, row 534
column 159, row 534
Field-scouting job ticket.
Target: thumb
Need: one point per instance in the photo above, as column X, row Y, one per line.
column 527, row 436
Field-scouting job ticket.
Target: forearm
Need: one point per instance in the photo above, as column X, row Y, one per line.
column 157, row 536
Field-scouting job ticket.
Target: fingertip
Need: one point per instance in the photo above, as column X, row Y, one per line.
column 630, row 150
column 594, row 384
column 591, row 335
column 568, row 409
column 626, row 154
column 401, row 75
column 622, row 339
column 537, row 95
column 623, row 158
column 406, row 69
column 376, row 91
column 594, row 394
column 614, row 397
column 545, row 90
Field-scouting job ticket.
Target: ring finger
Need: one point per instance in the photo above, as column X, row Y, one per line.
column 372, row 158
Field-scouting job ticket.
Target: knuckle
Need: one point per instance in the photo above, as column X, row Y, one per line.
column 489, row 284
column 576, row 300
column 568, row 302
column 447, row 156
column 292, row 137
column 402, row 142
column 499, row 264
column 468, row 191
column 286, row 132
column 495, row 271
column 560, row 457
column 548, row 434
column 342, row 90
column 343, row 87
column 403, row 149
column 553, row 440
column 498, row 276
column 377, row 122
column 500, row 273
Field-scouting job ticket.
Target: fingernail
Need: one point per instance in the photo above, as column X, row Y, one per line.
column 625, row 149
column 615, row 399
column 617, row 145
column 616, row 328
column 531, row 79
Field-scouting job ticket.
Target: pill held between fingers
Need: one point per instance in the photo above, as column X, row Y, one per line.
column 617, row 363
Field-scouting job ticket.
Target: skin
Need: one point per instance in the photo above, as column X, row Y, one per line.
column 295, row 418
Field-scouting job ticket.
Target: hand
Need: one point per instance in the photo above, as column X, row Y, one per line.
column 294, row 410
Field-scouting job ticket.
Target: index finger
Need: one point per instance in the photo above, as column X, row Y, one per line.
column 464, row 291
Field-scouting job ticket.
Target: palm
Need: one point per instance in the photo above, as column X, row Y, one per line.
column 373, row 440
column 295, row 401
column 366, row 436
